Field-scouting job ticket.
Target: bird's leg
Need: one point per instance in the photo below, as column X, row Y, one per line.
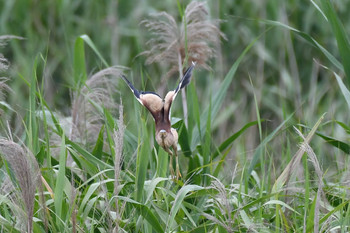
column 171, row 166
column 171, row 163
column 178, row 173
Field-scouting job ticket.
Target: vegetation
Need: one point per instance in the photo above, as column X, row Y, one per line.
column 264, row 131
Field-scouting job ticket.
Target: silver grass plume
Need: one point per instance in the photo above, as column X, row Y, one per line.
column 224, row 201
column 87, row 117
column 305, row 146
column 118, row 160
column 4, row 65
column 9, row 192
column 197, row 35
column 27, row 173
column 22, row 162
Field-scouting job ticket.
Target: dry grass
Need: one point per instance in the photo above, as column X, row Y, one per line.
column 27, row 173
column 118, row 159
column 222, row 201
column 320, row 194
column 194, row 40
column 4, row 65
column 289, row 172
column 87, row 118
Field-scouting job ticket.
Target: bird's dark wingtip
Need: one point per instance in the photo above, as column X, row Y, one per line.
column 186, row 77
column 133, row 89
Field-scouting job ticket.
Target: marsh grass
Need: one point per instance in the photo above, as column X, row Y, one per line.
column 266, row 163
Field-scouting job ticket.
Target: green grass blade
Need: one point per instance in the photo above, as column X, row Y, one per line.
column 307, row 184
column 206, row 147
column 340, row 35
column 311, row 214
column 59, row 187
column 110, row 127
column 8, row 226
column 330, row 213
column 344, row 126
column 256, row 109
column 91, row 44
column 205, row 228
column 232, row 138
column 184, row 139
column 278, row 202
column 88, row 156
column 145, row 212
column 193, row 105
column 45, row 121
column 32, row 125
column 150, row 186
column 178, row 202
column 98, row 148
column 309, row 39
column 142, row 161
column 259, row 151
column 162, row 163
column 220, row 163
column 295, row 160
column 335, row 142
column 219, row 95
column 90, row 194
column 344, row 90
column 80, row 76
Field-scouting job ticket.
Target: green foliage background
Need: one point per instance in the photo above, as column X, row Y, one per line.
column 284, row 67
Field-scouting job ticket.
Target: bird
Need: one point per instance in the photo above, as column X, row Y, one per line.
column 166, row 136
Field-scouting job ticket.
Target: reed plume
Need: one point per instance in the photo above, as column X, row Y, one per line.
column 87, row 112
column 27, row 173
column 118, row 160
column 4, row 65
column 194, row 40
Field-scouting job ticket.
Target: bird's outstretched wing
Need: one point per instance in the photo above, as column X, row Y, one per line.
column 150, row 100
column 171, row 95
column 185, row 80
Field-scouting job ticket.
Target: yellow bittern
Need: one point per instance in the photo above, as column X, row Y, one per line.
column 166, row 136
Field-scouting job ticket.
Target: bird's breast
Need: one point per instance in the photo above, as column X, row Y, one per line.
column 166, row 140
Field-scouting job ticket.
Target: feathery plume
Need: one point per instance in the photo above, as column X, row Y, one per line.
column 4, row 65
column 27, row 173
column 313, row 158
column 118, row 142
column 195, row 40
column 98, row 92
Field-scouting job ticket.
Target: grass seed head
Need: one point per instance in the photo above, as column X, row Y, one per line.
column 26, row 170
column 194, row 40
column 98, row 92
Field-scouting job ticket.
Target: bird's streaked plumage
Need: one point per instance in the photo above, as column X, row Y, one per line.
column 166, row 136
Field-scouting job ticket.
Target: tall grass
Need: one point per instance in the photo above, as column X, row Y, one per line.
column 266, row 143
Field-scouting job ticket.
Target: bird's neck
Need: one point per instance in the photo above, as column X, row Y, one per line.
column 163, row 126
column 162, row 122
